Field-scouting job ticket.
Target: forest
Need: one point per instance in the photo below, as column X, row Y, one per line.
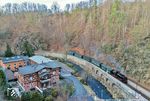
column 115, row 32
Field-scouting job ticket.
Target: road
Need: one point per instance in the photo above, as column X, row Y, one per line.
column 130, row 90
column 80, row 93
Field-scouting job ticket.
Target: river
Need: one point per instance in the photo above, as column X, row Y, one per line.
column 99, row 89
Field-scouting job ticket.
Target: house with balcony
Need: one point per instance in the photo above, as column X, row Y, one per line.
column 32, row 72
column 44, row 75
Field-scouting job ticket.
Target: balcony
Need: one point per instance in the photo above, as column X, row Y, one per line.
column 43, row 74
column 45, row 80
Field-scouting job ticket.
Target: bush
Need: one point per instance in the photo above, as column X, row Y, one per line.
column 71, row 89
column 49, row 98
column 54, row 93
column 2, row 78
column 61, row 78
column 83, row 82
column 26, row 96
column 46, row 92
column 36, row 97
column 70, row 65
column 61, row 60
column 31, row 96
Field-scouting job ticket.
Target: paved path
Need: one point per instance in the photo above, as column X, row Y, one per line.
column 80, row 93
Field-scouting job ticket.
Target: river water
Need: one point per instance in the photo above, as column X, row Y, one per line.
column 99, row 89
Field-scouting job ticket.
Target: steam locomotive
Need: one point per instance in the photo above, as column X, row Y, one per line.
column 104, row 67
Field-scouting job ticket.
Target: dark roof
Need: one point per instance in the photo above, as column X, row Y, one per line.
column 37, row 67
column 9, row 74
column 14, row 59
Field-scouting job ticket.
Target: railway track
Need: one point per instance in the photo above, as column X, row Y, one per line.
column 144, row 93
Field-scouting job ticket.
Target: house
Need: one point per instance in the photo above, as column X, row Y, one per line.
column 35, row 72
column 44, row 75
column 13, row 63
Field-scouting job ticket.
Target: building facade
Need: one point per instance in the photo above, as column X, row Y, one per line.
column 13, row 63
column 43, row 75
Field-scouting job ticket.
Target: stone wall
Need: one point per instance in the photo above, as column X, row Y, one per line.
column 116, row 92
column 114, row 86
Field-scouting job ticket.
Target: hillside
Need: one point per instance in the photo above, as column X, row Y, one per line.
column 114, row 28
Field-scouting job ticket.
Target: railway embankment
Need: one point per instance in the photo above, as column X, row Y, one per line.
column 116, row 88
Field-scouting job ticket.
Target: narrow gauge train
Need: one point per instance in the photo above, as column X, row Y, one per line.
column 104, row 67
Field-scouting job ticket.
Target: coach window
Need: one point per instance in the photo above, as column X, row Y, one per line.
column 113, row 84
column 96, row 71
column 106, row 79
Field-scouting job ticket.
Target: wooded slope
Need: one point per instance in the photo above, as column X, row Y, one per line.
column 121, row 30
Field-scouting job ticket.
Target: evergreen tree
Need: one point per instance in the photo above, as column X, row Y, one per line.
column 28, row 49
column 8, row 52
column 2, row 78
column 26, row 96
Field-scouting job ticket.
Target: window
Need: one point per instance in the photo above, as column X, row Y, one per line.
column 96, row 71
column 44, row 70
column 20, row 65
column 16, row 68
column 54, row 72
column 46, row 77
column 24, row 63
column 44, row 85
column 31, row 78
